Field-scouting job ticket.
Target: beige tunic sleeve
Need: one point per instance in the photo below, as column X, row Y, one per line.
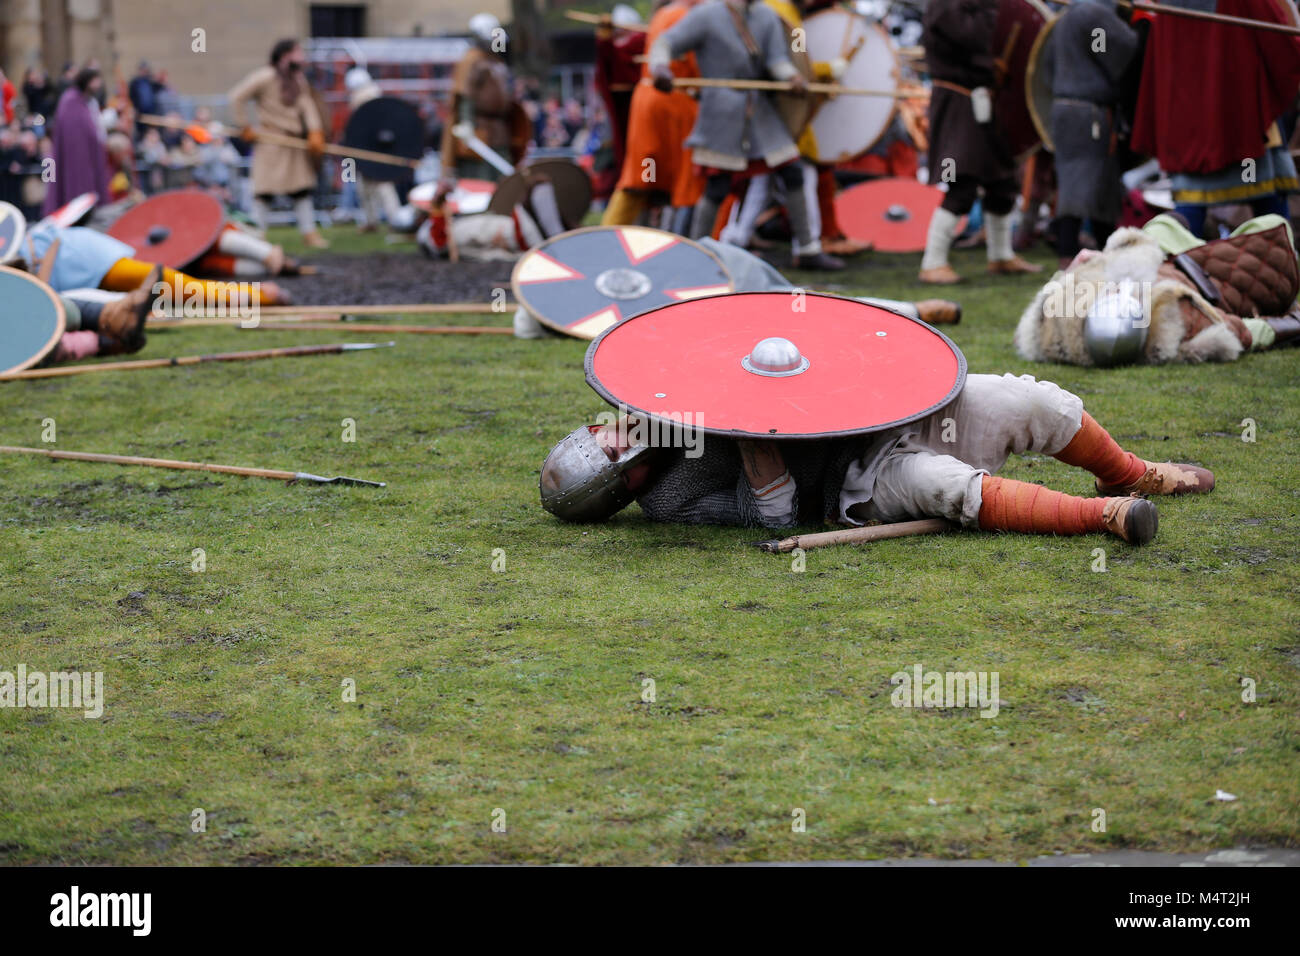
column 250, row 87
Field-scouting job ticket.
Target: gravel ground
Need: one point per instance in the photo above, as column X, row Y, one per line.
column 397, row 277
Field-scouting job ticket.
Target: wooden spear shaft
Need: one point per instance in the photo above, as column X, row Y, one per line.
column 784, row 86
column 879, row 532
column 340, row 327
column 60, row 371
column 279, row 139
column 185, row 465
column 597, row 18
column 447, row 308
column 1204, row 15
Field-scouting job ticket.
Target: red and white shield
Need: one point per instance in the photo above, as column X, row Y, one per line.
column 582, row 282
column 73, row 212
column 787, row 365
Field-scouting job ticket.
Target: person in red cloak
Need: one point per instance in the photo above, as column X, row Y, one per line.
column 80, row 160
column 1237, row 81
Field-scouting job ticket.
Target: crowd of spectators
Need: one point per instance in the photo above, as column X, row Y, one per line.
column 141, row 159
column 144, row 159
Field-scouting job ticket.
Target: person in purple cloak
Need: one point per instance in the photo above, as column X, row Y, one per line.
column 80, row 161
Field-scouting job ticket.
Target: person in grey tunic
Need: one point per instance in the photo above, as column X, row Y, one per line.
column 746, row 40
column 1087, row 57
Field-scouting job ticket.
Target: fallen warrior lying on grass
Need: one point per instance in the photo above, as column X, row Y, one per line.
column 929, row 468
column 1159, row 294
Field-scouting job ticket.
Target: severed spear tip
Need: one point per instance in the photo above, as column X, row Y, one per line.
column 338, row 480
column 771, row 546
column 357, row 346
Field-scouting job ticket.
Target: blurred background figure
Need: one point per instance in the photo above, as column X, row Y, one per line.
column 80, row 160
column 378, row 199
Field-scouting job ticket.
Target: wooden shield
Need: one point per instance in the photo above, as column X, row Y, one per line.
column 31, row 322
column 572, row 190
column 845, row 127
column 796, row 111
column 172, row 228
column 1038, row 93
column 854, row 368
column 13, row 227
column 582, row 282
column 385, row 125
column 1018, row 26
column 893, row 213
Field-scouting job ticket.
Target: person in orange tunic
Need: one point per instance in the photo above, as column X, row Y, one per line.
column 656, row 161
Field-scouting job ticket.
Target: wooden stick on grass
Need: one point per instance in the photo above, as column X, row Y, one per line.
column 822, row 539
column 61, row 371
column 188, row 466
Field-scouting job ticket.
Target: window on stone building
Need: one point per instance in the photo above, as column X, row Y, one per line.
column 338, row 20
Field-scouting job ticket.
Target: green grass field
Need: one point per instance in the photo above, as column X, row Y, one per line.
column 521, row 690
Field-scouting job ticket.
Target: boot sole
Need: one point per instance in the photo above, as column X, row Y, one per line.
column 1141, row 522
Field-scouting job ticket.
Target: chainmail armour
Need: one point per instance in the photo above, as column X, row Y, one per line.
column 712, row 488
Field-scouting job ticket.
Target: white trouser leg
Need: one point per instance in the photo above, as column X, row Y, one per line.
column 757, row 192
column 810, row 199
column 938, row 241
column 244, row 245
column 261, row 214
column 893, row 305
column 997, row 229
column 305, row 213
column 546, row 209
column 914, row 482
column 1000, row 415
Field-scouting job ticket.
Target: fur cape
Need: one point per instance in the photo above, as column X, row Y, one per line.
column 1051, row 327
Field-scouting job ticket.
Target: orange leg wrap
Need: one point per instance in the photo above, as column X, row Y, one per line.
column 1093, row 448
column 1010, row 505
column 127, row 274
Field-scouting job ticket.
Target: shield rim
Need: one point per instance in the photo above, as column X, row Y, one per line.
column 897, row 73
column 216, row 233
column 20, row 231
column 514, row 285
column 60, row 325
column 1045, row 12
column 608, row 396
column 498, row 203
column 1031, row 74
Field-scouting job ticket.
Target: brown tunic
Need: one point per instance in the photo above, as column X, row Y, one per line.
column 958, row 42
column 277, row 170
column 481, row 96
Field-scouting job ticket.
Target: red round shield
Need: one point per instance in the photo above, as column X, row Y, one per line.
column 582, row 282
column 839, row 366
column 172, row 228
column 894, row 214
column 31, row 323
column 74, row 212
